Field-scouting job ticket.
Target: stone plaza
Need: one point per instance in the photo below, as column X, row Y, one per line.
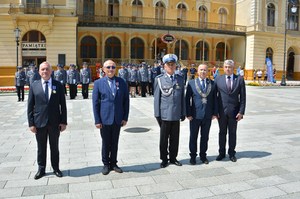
column 268, row 154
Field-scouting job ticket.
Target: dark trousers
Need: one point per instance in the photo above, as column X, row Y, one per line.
column 85, row 91
column 20, row 92
column 230, row 124
column 41, row 138
column 110, row 141
column 150, row 88
column 65, row 89
column 72, row 90
column 195, row 125
column 144, row 88
column 169, row 136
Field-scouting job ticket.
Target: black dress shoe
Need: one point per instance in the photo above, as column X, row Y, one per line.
column 193, row 161
column 105, row 170
column 220, row 157
column 58, row 173
column 39, row 174
column 176, row 162
column 117, row 169
column 163, row 164
column 232, row 158
column 204, row 160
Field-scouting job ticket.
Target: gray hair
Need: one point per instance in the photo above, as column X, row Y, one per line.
column 229, row 62
column 46, row 63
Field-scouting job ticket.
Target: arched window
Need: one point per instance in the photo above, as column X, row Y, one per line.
column 113, row 10
column 88, row 7
column 181, row 13
column 184, row 49
column 160, row 12
column 88, row 47
column 137, row 48
column 222, row 16
column 199, row 51
column 137, row 11
column 113, row 48
column 293, row 15
column 220, row 52
column 271, row 15
column 202, row 16
column 269, row 54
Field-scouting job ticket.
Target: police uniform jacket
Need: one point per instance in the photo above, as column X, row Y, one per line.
column 85, row 75
column 20, row 78
column 143, row 74
column 72, row 77
column 133, row 75
column 169, row 101
column 61, row 76
column 31, row 76
column 123, row 73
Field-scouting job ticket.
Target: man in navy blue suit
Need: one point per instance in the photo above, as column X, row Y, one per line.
column 231, row 92
column 47, row 117
column 201, row 108
column 111, row 109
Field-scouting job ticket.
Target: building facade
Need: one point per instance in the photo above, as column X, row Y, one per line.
column 198, row 31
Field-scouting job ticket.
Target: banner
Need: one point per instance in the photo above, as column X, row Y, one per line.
column 269, row 70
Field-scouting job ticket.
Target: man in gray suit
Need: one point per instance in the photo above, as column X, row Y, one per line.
column 231, row 92
column 169, row 109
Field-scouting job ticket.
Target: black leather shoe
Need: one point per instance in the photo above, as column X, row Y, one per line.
column 105, row 170
column 232, row 158
column 117, row 169
column 193, row 161
column 204, row 160
column 176, row 162
column 58, row 173
column 163, row 164
column 39, row 174
column 220, row 157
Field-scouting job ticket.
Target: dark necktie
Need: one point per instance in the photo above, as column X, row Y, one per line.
column 46, row 91
column 228, row 83
column 172, row 78
column 203, row 85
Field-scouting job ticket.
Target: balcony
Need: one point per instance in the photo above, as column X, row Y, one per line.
column 28, row 8
column 161, row 24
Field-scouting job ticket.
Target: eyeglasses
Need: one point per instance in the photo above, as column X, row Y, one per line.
column 110, row 67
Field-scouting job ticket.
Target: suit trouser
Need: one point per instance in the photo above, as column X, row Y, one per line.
column 169, row 135
column 144, row 88
column 85, row 91
column 195, row 124
column 20, row 92
column 41, row 138
column 230, row 123
column 110, row 141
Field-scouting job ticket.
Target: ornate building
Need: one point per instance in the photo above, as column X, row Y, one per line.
column 198, row 31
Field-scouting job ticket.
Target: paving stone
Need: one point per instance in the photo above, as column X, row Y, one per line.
column 261, row 193
column 81, row 195
column 132, row 182
column 291, row 187
column 26, row 183
column 190, row 193
column 229, row 188
column 45, row 190
column 11, row 192
column 116, row 193
column 266, row 181
column 269, row 171
column 159, row 188
column 89, row 186
column 2, row 184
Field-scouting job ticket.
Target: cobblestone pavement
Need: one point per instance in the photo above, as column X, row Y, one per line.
column 268, row 153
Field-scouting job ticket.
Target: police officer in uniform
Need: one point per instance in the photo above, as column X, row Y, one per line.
column 61, row 75
column 144, row 78
column 20, row 81
column 72, row 80
column 123, row 72
column 193, row 71
column 133, row 80
column 32, row 75
column 85, row 79
column 169, row 109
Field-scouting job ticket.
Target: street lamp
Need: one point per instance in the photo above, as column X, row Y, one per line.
column 17, row 36
column 293, row 10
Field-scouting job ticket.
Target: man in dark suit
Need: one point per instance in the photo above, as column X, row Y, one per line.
column 111, row 109
column 47, row 117
column 231, row 92
column 201, row 108
column 169, row 109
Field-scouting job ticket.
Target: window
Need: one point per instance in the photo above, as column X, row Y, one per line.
column 137, row 48
column 113, row 10
column 202, row 16
column 113, row 48
column 271, row 15
column 269, row 54
column 181, row 13
column 184, row 49
column 88, row 47
column 159, row 12
column 137, row 11
column 88, row 7
column 199, row 51
column 222, row 16
column 220, row 51
column 293, row 16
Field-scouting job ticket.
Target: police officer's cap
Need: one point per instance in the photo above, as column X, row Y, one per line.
column 170, row 58
column 85, row 64
column 19, row 67
column 72, row 65
column 60, row 65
